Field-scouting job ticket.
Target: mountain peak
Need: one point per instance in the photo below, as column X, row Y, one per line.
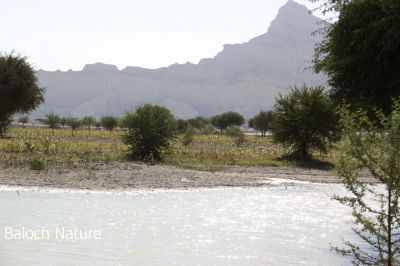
column 100, row 68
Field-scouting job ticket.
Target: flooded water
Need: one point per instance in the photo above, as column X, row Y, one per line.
column 284, row 225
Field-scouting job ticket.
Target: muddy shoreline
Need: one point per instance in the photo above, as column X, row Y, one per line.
column 120, row 176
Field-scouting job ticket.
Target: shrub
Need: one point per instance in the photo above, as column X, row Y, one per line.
column 52, row 120
column 188, row 137
column 262, row 122
column 151, row 129
column 37, row 165
column 228, row 119
column 237, row 135
column 109, row 122
column 305, row 121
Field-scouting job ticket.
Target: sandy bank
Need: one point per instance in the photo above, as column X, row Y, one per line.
column 137, row 176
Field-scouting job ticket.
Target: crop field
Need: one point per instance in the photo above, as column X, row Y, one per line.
column 63, row 148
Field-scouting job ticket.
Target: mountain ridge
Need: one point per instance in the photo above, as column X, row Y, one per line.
column 242, row 77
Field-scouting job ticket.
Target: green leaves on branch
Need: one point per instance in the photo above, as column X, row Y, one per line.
column 151, row 129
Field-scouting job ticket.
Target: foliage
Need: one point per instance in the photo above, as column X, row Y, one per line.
column 151, row 129
column 188, row 137
column 37, row 165
column 88, row 121
column 182, row 125
column 237, row 134
column 305, row 121
column 262, row 122
column 228, row 119
column 361, row 53
column 109, row 122
column 198, row 123
column 74, row 123
column 375, row 209
column 52, row 120
column 18, row 88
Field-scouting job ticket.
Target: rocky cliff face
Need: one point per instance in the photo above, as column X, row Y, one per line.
column 242, row 77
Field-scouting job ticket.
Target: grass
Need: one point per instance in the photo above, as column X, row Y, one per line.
column 206, row 152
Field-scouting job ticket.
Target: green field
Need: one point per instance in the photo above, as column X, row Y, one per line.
column 81, row 149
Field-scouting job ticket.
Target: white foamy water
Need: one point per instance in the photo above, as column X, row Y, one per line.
column 284, row 225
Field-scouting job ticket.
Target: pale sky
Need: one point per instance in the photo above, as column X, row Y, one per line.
column 67, row 34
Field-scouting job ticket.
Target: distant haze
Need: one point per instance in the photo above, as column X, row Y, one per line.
column 243, row 77
column 152, row 33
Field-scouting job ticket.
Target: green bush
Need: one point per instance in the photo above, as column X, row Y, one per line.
column 305, row 121
column 151, row 129
column 188, row 137
column 237, row 134
column 37, row 165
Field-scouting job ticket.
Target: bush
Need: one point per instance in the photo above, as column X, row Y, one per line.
column 237, row 135
column 305, row 121
column 109, row 122
column 151, row 129
column 37, row 165
column 228, row 119
column 188, row 137
column 262, row 122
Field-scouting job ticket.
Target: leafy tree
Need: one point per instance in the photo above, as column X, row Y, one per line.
column 198, row 122
column 151, row 129
column 375, row 209
column 74, row 123
column 52, row 120
column 18, row 88
column 228, row 119
column 360, row 52
column 182, row 125
column 63, row 121
column 305, row 121
column 88, row 121
column 109, row 122
column 262, row 122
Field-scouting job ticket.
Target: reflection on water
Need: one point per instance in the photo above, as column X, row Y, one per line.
column 285, row 225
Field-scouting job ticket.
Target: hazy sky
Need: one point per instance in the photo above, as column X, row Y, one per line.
column 66, row 34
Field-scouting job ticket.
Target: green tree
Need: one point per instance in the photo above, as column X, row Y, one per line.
column 109, row 122
column 52, row 120
column 19, row 92
column 227, row 119
column 63, row 121
column 151, row 129
column 74, row 123
column 375, row 209
column 305, row 121
column 360, row 52
column 88, row 121
column 262, row 122
column 182, row 125
column 198, row 122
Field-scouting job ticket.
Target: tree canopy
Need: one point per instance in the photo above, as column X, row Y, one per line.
column 360, row 53
column 304, row 121
column 227, row 119
column 19, row 92
column 151, row 129
column 262, row 121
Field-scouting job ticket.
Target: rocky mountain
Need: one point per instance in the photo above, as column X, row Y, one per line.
column 242, row 77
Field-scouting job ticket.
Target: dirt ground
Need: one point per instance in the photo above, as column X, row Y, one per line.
column 137, row 176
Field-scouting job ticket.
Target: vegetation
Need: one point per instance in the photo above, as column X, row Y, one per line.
column 375, row 210
column 305, row 121
column 52, row 120
column 151, row 130
column 361, row 54
column 74, row 123
column 88, row 121
column 18, row 88
column 228, row 119
column 262, row 122
column 237, row 134
column 109, row 122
